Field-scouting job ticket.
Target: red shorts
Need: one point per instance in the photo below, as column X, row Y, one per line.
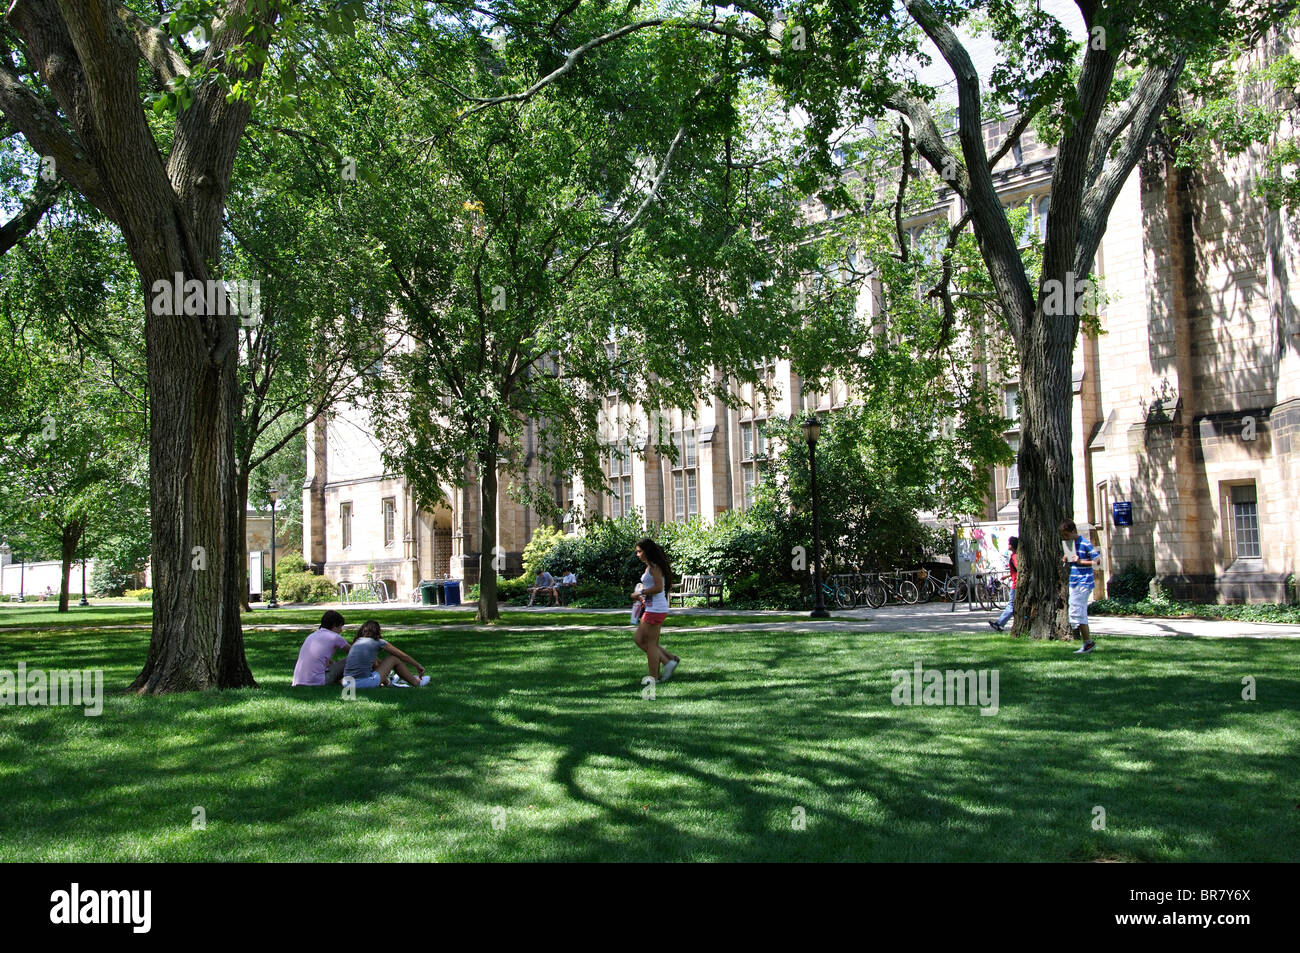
column 654, row 618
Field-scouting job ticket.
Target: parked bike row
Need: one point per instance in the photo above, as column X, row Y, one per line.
column 989, row 590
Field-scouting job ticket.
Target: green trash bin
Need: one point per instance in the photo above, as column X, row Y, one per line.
column 428, row 593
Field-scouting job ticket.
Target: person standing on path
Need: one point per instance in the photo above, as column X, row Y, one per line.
column 1081, row 582
column 653, row 594
column 1013, row 562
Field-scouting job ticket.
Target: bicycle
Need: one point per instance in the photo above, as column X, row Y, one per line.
column 372, row 590
column 992, row 591
column 834, row 592
column 930, row 587
column 898, row 588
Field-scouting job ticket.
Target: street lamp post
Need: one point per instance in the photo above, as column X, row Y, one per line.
column 274, row 494
column 83, row 601
column 812, row 428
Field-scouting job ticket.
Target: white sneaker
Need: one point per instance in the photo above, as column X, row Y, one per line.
column 396, row 681
column 425, row 680
column 668, row 670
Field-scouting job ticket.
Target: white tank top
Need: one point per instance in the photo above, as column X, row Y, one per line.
column 657, row 602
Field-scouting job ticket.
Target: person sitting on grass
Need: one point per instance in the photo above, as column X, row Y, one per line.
column 545, row 583
column 365, row 668
column 314, row 658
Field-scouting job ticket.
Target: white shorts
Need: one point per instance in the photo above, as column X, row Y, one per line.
column 1079, row 606
column 370, row 681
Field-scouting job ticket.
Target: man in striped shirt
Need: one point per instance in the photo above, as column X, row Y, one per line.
column 1081, row 582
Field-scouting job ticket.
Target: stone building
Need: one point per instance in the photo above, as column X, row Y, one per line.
column 1186, row 407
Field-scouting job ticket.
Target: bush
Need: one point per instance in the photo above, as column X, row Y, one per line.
column 510, row 590
column 605, row 552
column 1164, row 607
column 601, row 595
column 289, row 564
column 1130, row 583
column 305, row 587
column 143, row 595
column 545, row 539
column 107, row 579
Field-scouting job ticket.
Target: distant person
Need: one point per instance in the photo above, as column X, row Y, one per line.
column 1013, row 563
column 1081, row 583
column 569, row 581
column 544, row 582
column 364, row 666
column 315, row 666
column 652, row 595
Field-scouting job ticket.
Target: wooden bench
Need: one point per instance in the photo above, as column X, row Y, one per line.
column 707, row 588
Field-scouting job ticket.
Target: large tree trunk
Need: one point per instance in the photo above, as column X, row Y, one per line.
column 487, row 577
column 69, row 542
column 197, row 641
column 1046, row 474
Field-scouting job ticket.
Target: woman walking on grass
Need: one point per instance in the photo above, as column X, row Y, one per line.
column 652, row 598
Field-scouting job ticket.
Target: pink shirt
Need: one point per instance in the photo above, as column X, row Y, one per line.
column 314, row 656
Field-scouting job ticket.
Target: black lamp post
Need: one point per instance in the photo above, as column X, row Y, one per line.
column 83, row 601
column 274, row 494
column 812, row 428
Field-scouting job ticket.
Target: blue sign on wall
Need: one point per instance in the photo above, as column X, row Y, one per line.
column 1122, row 514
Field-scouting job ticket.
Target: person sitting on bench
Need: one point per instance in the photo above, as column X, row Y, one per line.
column 545, row 583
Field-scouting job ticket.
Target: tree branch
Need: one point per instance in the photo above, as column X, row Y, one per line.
column 1099, row 198
column 35, row 205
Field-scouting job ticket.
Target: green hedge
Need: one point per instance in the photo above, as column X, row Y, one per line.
column 305, row 587
column 1184, row 610
column 143, row 595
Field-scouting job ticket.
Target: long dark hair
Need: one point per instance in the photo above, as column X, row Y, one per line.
column 656, row 556
column 369, row 630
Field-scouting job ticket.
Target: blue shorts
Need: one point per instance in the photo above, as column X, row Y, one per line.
column 370, row 681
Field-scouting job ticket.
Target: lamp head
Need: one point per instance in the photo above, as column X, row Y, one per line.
column 812, row 428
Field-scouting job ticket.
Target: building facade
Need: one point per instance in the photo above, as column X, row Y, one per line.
column 1186, row 408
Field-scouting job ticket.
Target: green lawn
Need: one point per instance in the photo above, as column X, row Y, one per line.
column 549, row 733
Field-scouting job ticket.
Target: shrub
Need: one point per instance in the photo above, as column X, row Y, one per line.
column 305, row 587
column 107, row 579
column 289, row 564
column 539, row 547
column 143, row 595
column 601, row 595
column 605, row 552
column 510, row 590
column 1130, row 583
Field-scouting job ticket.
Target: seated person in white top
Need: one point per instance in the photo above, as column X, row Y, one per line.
column 569, row 581
column 545, row 583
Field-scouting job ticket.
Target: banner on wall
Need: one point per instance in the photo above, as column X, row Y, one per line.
column 984, row 547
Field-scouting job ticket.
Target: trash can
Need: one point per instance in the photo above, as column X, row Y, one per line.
column 428, row 593
column 452, row 589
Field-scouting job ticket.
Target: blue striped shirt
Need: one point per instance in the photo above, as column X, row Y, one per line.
column 1081, row 576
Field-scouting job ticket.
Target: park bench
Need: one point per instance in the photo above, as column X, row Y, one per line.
column 707, row 588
